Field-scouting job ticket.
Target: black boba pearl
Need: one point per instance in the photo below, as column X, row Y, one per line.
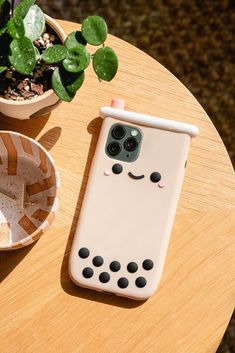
column 155, row 177
column 98, row 261
column 104, row 277
column 132, row 267
column 148, row 264
column 117, row 168
column 115, row 266
column 123, row 282
column 87, row 272
column 140, row 282
column 84, row 253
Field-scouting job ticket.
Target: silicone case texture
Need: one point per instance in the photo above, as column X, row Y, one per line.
column 129, row 220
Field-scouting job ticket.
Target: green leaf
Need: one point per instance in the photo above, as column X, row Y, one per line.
column 66, row 84
column 73, row 81
column 23, row 56
column 37, row 53
column 78, row 59
column 5, row 8
column 59, row 88
column 94, row 30
column 105, row 63
column 16, row 27
column 22, row 9
column 3, row 63
column 54, row 54
column 34, row 23
column 3, row 68
column 3, row 30
column 74, row 39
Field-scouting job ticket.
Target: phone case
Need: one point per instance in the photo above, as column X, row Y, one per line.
column 121, row 240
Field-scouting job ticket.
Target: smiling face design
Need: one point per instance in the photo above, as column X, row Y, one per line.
column 155, row 177
column 136, row 177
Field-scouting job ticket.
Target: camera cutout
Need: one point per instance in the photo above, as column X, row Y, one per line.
column 114, row 148
column 130, row 144
column 124, row 142
column 118, row 132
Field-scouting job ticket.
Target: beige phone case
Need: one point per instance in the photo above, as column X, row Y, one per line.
column 128, row 220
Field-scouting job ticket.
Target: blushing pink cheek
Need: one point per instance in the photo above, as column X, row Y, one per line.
column 162, row 184
column 107, row 172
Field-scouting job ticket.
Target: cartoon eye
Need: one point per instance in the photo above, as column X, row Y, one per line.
column 117, row 168
column 155, row 177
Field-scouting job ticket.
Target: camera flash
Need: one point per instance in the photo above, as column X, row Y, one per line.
column 134, row 133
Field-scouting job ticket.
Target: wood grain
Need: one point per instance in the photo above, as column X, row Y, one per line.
column 43, row 311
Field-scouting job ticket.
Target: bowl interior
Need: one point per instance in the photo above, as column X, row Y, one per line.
column 28, row 187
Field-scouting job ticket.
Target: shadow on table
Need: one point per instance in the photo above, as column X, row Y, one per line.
column 50, row 138
column 10, row 259
column 66, row 283
column 32, row 127
column 29, row 127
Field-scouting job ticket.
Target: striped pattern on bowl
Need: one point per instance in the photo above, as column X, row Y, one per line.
column 28, row 190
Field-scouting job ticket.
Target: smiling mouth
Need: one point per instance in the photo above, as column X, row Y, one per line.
column 136, row 177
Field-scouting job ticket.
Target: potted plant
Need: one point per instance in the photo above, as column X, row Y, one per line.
column 39, row 65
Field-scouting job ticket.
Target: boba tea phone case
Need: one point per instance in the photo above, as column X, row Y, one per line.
column 125, row 223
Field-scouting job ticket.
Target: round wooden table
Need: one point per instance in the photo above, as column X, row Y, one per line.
column 43, row 311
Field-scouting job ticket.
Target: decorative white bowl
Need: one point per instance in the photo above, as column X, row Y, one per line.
column 28, row 190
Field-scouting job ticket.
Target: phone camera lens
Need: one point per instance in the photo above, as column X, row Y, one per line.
column 118, row 132
column 114, row 148
column 130, row 144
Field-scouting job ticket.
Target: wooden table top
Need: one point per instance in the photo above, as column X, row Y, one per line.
column 43, row 311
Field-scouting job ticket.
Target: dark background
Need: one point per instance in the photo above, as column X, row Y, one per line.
column 194, row 39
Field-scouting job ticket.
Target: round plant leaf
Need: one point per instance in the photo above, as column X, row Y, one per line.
column 59, row 88
column 16, row 27
column 94, row 30
column 37, row 53
column 34, row 23
column 3, row 30
column 105, row 63
column 3, row 68
column 66, row 84
column 78, row 59
column 73, row 81
column 23, row 56
column 22, row 9
column 54, row 54
column 3, row 63
column 74, row 39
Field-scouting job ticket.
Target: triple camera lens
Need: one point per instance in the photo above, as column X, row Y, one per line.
column 130, row 144
column 118, row 133
column 114, row 148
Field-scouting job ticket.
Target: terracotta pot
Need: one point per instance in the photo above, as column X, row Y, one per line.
column 39, row 105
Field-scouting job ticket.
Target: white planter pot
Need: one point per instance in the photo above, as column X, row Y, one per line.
column 36, row 106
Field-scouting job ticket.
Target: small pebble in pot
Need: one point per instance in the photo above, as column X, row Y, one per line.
column 46, row 36
column 52, row 38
